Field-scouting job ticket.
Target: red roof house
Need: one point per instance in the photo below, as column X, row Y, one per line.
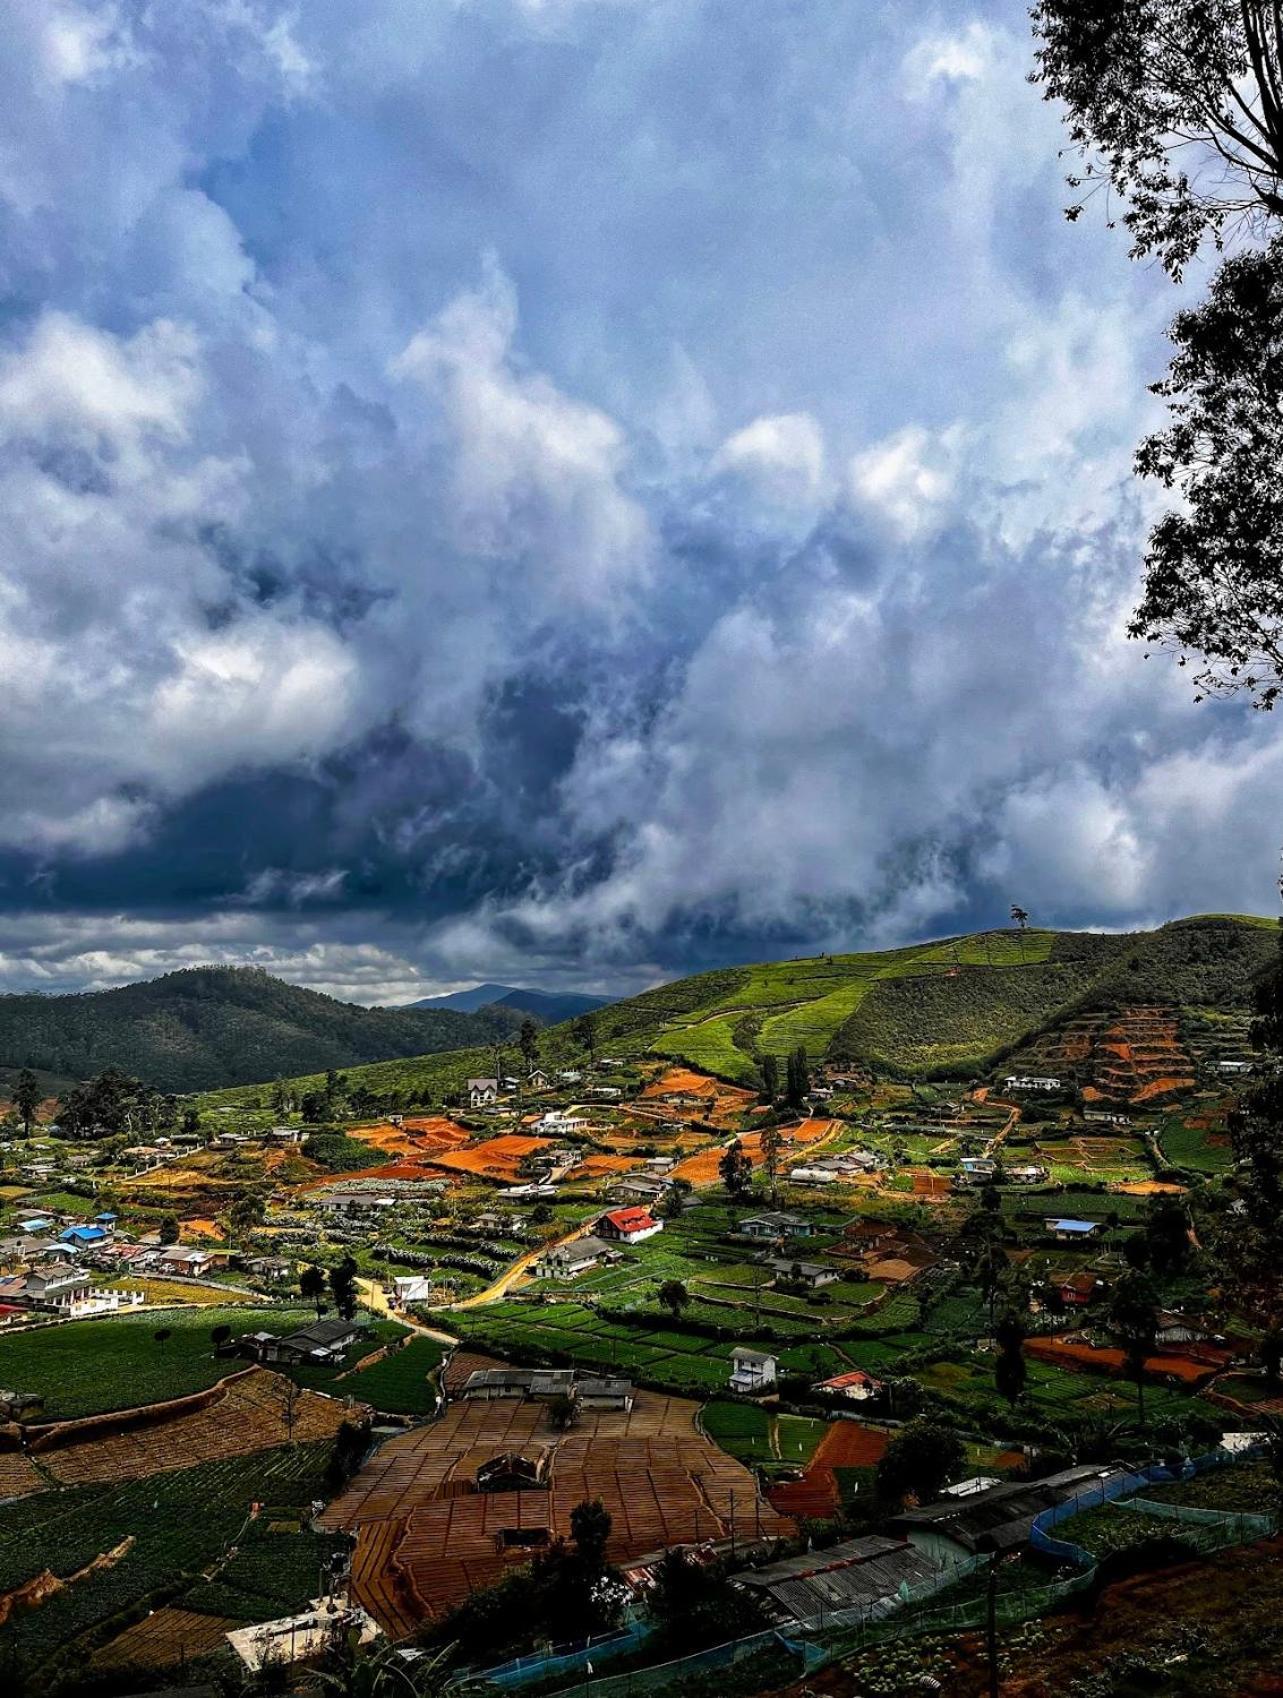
column 629, row 1226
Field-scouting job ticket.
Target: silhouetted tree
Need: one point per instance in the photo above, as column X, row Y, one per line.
column 27, row 1097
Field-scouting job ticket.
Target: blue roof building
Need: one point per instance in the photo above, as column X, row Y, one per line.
column 1074, row 1228
column 83, row 1235
column 36, row 1223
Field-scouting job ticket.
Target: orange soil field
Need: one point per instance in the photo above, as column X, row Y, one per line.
column 246, row 1413
column 162, row 1638
column 496, row 1158
column 928, row 1184
column 701, row 1168
column 1188, row 1369
column 1149, row 1188
column 200, row 1226
column 592, row 1167
column 421, row 1132
column 426, row 1539
column 847, row 1444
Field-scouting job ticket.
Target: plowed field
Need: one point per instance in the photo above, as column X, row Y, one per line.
column 427, row 1539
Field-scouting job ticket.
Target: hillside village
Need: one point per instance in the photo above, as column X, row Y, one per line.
column 840, row 1344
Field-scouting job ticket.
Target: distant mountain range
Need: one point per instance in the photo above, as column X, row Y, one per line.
column 548, row 1007
column 210, row 1026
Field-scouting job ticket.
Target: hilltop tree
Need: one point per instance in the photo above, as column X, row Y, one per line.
column 736, row 1169
column 770, row 1071
column 1176, row 108
column 1020, row 916
column 528, row 1039
column 27, row 1097
column 797, row 1078
column 584, row 1032
column 1133, row 1319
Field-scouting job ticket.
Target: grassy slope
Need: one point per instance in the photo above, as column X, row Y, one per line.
column 953, row 1004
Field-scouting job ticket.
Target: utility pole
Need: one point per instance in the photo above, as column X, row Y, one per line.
column 991, row 1627
column 732, row 1524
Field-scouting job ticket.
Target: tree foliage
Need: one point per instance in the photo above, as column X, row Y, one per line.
column 921, row 1459
column 1177, row 109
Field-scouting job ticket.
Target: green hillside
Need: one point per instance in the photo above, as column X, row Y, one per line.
column 952, row 1006
column 210, row 1026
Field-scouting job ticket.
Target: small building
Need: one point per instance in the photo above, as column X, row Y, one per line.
column 513, row 1472
column 810, row 1274
column 813, row 1174
column 537, row 1079
column 85, row 1237
column 482, row 1093
column 567, row 1261
column 853, row 1387
column 1077, row 1290
column 753, row 1371
column 595, row 1391
column 411, row 1288
column 1235, row 1066
column 272, row 1270
column 1032, row 1082
column 487, row 1384
column 1107, row 1117
column 862, row 1575
column 58, row 1288
column 997, row 1519
column 647, row 1187
column 775, row 1223
column 322, row 1342
column 1028, row 1173
column 629, row 1226
column 1068, row 1231
column 190, row 1264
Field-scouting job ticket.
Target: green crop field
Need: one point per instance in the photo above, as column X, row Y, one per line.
column 164, row 1532
column 91, row 1366
column 1193, row 1147
column 398, row 1383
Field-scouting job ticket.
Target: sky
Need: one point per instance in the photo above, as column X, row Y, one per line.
column 573, row 492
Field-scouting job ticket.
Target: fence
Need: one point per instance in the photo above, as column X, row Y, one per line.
column 907, row 1613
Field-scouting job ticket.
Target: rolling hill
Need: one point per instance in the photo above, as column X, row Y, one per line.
column 211, row 1026
column 951, row 1007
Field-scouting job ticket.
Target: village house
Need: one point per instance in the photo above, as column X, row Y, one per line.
column 813, row 1174
column 537, row 1079
column 1072, row 1231
column 321, row 1342
column 629, row 1226
column 853, row 1387
column 810, row 1274
column 645, row 1187
column 1031, row 1082
column 189, row 1263
column 566, row 1261
column 272, row 1270
column 1107, row 1117
column 752, row 1371
column 1235, row 1066
column 1076, row 1290
column 482, row 1093
column 1028, row 1173
column 85, row 1237
column 775, row 1223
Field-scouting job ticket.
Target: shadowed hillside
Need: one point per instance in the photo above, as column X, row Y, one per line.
column 210, row 1026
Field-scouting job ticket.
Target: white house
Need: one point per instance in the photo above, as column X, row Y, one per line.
column 629, row 1226
column 813, row 1176
column 411, row 1288
column 482, row 1093
column 752, row 1370
column 568, row 1260
column 853, row 1387
column 1031, row 1082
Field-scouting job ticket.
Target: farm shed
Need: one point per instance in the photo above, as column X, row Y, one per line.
column 1072, row 1231
column 999, row 1519
column 858, row 1574
column 811, row 1274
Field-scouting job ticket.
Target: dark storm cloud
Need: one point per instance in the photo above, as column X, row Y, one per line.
column 576, row 489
